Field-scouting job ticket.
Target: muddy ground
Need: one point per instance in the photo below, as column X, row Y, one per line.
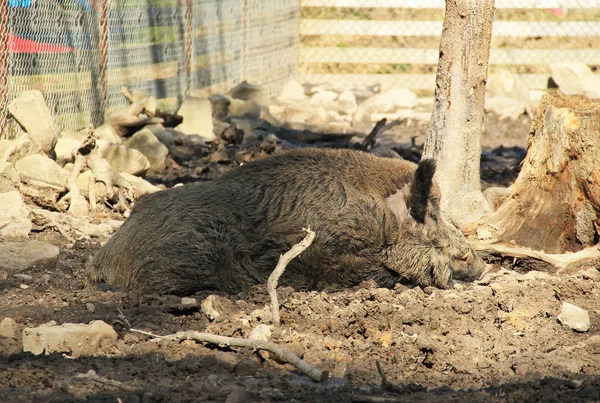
column 495, row 341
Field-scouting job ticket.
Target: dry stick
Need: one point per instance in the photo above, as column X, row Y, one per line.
column 284, row 260
column 560, row 261
column 91, row 375
column 380, row 127
column 286, row 355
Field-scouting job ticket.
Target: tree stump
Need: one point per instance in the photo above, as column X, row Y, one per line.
column 554, row 205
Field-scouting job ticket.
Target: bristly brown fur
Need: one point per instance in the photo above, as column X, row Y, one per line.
column 228, row 234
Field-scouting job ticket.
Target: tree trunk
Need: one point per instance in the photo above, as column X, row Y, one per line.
column 554, row 205
column 454, row 132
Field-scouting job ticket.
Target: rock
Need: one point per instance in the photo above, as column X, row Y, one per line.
column 326, row 99
column 148, row 144
column 292, row 91
column 14, row 221
column 107, row 132
column 197, row 117
column 347, row 102
column 77, row 339
column 39, row 170
column 14, row 150
column 592, row 344
column 387, row 102
column 240, row 108
column 124, row 159
column 261, row 332
column 187, row 301
column 83, row 183
column 31, row 111
column 215, row 306
column 82, row 225
column 504, row 106
column 501, row 82
column 249, row 92
column 220, row 106
column 19, row 256
column 9, row 329
column 140, row 186
column 239, row 396
column 573, row 316
column 591, row 274
column 576, row 78
column 66, row 149
column 9, row 177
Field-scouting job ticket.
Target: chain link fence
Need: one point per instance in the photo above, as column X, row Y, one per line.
column 80, row 53
column 396, row 42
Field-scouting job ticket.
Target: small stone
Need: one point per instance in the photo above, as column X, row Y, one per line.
column 20, row 256
column 576, row 78
column 292, row 91
column 591, row 274
column 249, row 92
column 187, row 301
column 197, row 117
column 146, row 142
column 261, row 332
column 347, row 102
column 140, row 186
column 220, row 106
column 14, row 221
column 83, row 183
column 66, row 149
column 32, row 113
column 24, row 277
column 215, row 306
column 39, row 170
column 9, row 177
column 14, row 150
column 124, row 159
column 76, row 339
column 327, row 100
column 107, row 132
column 9, row 329
column 90, row 307
column 575, row 317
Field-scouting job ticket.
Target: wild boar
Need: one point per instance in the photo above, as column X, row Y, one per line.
column 375, row 218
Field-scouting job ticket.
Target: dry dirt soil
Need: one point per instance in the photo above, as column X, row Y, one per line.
column 496, row 341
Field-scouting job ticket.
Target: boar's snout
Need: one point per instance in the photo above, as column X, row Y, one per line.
column 470, row 267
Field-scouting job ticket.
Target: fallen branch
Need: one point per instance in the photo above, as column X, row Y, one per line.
column 286, row 355
column 559, row 261
column 380, row 127
column 91, row 375
column 284, row 260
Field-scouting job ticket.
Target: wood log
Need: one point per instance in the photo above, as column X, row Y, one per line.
column 554, row 204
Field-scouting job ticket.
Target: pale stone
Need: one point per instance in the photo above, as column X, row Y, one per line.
column 77, row 339
column 292, row 91
column 347, row 102
column 148, row 144
column 17, row 257
column 66, row 149
column 197, row 117
column 39, row 170
column 576, row 78
column 14, row 221
column 9, row 329
column 14, row 150
column 326, row 99
column 124, row 159
column 249, row 92
column 9, row 177
column 31, row 111
column 575, row 317
column 140, row 186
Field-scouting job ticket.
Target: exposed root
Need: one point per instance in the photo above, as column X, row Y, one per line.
column 284, row 260
column 380, row 127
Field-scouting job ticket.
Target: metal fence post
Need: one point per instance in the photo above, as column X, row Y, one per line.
column 188, row 45
column 103, row 48
column 3, row 65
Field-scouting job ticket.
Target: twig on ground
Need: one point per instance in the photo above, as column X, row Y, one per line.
column 559, row 261
column 385, row 384
column 286, row 355
column 284, row 260
column 91, row 375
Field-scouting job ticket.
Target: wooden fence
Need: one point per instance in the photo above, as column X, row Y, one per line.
column 360, row 42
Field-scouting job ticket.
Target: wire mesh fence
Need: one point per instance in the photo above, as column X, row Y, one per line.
column 80, row 53
column 395, row 42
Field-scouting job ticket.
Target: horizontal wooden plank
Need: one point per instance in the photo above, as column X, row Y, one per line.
column 410, row 81
column 430, row 56
column 434, row 28
column 442, row 3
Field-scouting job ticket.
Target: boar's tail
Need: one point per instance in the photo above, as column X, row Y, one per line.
column 421, row 186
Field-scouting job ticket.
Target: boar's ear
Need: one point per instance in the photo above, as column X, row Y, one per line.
column 419, row 191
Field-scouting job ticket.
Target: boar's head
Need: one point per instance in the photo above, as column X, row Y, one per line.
column 428, row 249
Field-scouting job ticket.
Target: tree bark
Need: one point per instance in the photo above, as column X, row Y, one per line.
column 554, row 205
column 454, row 132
